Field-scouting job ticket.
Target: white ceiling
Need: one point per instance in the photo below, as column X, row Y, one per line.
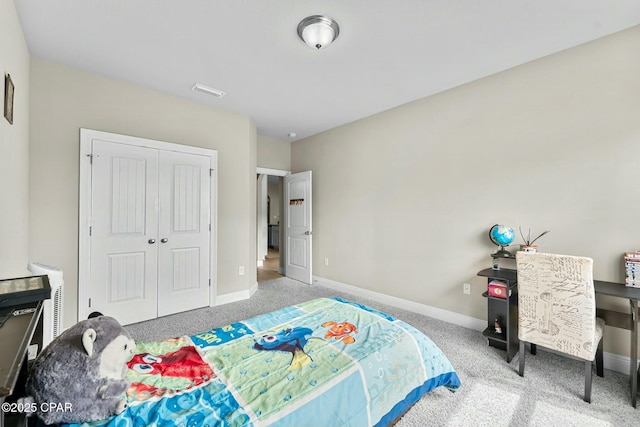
column 388, row 52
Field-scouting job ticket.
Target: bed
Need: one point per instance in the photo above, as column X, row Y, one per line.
column 324, row 362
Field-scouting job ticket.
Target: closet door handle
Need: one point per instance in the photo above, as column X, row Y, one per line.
column 164, row 240
column 152, row 241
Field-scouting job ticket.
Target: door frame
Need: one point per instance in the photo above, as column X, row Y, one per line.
column 84, row 211
column 262, row 227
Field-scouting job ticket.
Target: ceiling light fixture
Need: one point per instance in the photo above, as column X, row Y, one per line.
column 318, row 31
column 208, row 90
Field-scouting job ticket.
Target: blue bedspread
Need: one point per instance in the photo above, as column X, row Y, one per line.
column 325, row 362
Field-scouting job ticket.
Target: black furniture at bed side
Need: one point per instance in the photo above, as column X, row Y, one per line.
column 16, row 335
column 611, row 317
column 21, row 304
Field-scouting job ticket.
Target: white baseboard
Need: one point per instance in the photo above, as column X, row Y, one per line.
column 253, row 289
column 426, row 310
column 236, row 296
column 612, row 361
column 617, row 363
column 260, row 263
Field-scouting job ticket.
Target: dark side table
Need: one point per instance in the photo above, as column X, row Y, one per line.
column 502, row 310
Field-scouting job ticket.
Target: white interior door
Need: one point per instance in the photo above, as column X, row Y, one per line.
column 183, row 251
column 124, row 230
column 298, row 229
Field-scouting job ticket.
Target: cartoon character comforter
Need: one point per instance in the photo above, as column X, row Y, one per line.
column 325, row 362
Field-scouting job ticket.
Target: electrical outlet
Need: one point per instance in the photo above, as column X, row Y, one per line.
column 466, row 288
column 32, row 351
column 326, row 261
column 241, row 270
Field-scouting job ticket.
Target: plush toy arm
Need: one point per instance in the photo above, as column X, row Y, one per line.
column 112, row 388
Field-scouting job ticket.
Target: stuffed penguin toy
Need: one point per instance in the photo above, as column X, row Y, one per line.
column 80, row 375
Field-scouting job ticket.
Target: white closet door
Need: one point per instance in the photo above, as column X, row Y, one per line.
column 184, row 235
column 123, row 265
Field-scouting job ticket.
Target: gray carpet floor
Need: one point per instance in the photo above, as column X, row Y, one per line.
column 492, row 393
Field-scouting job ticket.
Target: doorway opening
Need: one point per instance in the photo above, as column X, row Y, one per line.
column 293, row 200
column 270, row 214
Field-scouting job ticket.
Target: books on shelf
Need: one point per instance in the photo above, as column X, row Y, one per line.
column 498, row 289
column 632, row 269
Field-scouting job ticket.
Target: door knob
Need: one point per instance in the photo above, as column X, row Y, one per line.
column 307, row 233
column 152, row 241
column 164, row 240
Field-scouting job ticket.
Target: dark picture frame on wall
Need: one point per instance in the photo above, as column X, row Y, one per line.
column 8, row 98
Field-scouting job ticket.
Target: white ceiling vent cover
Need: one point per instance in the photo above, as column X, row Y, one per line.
column 208, row 90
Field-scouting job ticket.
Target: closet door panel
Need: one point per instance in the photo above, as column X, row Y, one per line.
column 183, row 251
column 123, row 271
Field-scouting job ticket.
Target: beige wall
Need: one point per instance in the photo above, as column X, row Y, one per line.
column 274, row 153
column 63, row 100
column 14, row 148
column 403, row 200
column 275, row 194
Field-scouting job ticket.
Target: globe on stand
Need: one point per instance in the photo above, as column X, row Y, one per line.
column 501, row 235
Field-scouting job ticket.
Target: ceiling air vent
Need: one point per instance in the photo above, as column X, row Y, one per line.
column 208, row 90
